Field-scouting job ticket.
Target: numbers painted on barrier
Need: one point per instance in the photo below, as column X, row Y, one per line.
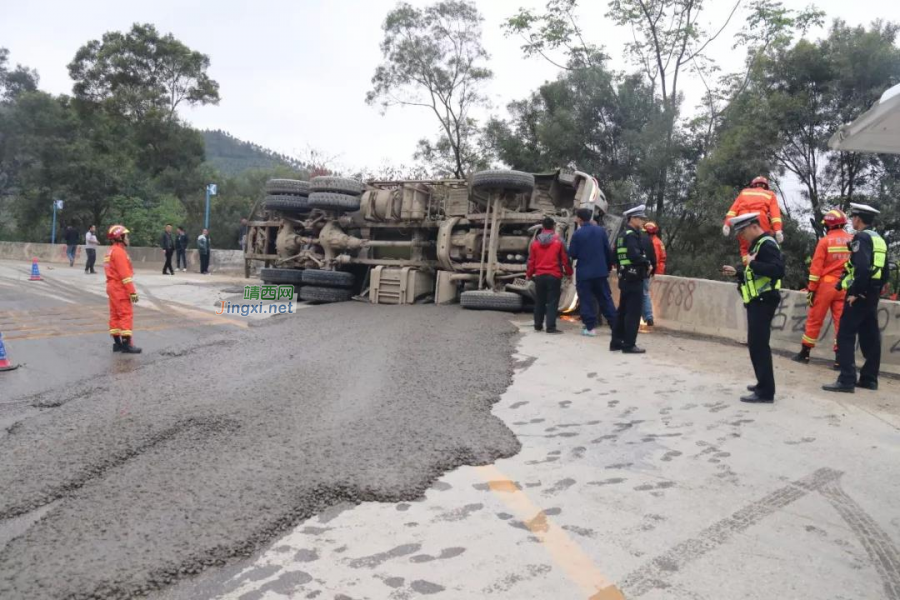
column 679, row 294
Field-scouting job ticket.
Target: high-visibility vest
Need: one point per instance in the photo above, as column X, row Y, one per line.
column 879, row 259
column 753, row 285
column 621, row 250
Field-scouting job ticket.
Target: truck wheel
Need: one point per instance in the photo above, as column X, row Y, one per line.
column 334, row 279
column 333, row 201
column 286, row 204
column 324, row 294
column 515, row 181
column 488, row 300
column 292, row 276
column 338, row 185
column 291, row 187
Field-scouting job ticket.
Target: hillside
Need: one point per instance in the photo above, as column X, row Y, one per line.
column 232, row 156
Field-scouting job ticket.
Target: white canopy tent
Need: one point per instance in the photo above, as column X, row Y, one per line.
column 877, row 130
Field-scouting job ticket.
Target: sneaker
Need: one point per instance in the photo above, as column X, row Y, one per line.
column 589, row 332
column 538, row 328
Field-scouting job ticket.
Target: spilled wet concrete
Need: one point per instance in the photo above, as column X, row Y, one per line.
column 200, row 454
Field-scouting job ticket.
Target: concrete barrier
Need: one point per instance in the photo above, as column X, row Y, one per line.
column 221, row 261
column 714, row 308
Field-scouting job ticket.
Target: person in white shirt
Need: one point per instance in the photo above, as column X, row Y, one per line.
column 90, row 248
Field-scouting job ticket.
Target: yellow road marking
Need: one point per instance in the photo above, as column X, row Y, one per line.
column 562, row 549
column 180, row 325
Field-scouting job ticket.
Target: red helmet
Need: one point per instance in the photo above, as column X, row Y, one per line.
column 116, row 232
column 651, row 227
column 760, row 181
column 834, row 218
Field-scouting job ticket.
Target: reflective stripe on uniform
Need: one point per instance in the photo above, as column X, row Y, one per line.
column 126, row 333
column 127, row 280
column 731, row 213
column 838, row 249
column 813, row 277
column 750, row 193
column 106, row 258
column 776, row 219
column 753, row 286
column 809, row 341
column 115, row 331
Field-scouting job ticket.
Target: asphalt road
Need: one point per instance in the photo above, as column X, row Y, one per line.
column 155, row 467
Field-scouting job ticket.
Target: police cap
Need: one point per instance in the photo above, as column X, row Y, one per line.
column 743, row 221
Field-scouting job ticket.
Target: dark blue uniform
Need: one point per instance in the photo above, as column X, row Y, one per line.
column 590, row 247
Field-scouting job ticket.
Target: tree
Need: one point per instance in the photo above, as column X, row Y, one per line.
column 433, row 58
column 15, row 82
column 142, row 72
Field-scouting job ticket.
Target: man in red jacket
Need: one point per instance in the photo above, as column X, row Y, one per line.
column 547, row 262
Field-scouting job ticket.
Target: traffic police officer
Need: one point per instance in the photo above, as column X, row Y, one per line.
column 633, row 267
column 759, row 282
column 863, row 279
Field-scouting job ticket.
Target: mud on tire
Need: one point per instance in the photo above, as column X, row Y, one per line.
column 333, row 201
column 284, row 276
column 488, row 300
column 286, row 204
column 497, row 180
column 324, row 294
column 334, row 279
column 338, row 185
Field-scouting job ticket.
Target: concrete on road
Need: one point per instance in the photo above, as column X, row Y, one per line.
column 638, row 476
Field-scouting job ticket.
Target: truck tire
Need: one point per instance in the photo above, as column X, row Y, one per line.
column 285, row 276
column 324, row 294
column 286, row 204
column 333, row 279
column 488, row 300
column 291, row 187
column 333, row 201
column 338, row 185
column 515, row 181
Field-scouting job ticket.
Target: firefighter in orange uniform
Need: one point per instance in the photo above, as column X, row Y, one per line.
column 760, row 199
column 826, row 269
column 121, row 291
column 652, row 230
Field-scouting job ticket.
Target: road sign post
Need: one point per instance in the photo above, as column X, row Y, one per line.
column 56, row 204
column 211, row 190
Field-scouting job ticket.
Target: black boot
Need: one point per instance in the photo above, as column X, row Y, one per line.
column 803, row 355
column 839, row 387
column 117, row 343
column 128, row 347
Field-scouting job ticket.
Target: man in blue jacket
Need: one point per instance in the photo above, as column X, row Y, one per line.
column 593, row 256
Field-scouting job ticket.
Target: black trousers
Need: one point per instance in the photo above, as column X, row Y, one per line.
column 91, row 260
column 546, row 300
column 592, row 292
column 204, row 262
column 628, row 316
column 181, row 258
column 861, row 320
column 168, row 265
column 759, row 332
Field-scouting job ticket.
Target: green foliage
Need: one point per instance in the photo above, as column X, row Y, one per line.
column 231, row 156
column 141, row 72
column 433, row 58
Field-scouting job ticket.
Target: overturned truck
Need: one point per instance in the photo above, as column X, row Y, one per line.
column 401, row 242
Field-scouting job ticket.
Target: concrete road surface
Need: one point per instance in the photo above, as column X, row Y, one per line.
column 353, row 451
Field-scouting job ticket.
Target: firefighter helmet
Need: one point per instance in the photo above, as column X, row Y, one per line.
column 760, row 181
column 651, row 227
column 834, row 218
column 116, row 232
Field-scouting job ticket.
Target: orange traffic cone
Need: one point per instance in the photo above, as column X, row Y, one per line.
column 5, row 365
column 35, row 272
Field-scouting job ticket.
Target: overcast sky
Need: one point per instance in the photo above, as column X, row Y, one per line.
column 294, row 73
